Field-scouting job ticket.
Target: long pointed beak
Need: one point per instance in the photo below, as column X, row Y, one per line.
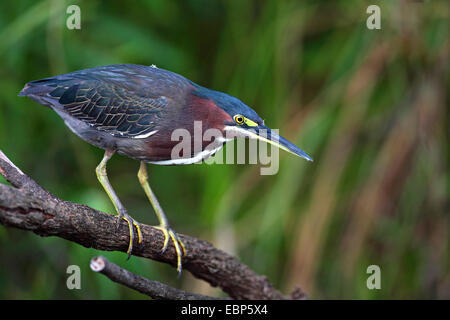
column 264, row 133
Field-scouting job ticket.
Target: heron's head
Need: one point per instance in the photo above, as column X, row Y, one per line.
column 243, row 121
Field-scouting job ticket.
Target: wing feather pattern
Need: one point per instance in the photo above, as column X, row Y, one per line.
column 123, row 100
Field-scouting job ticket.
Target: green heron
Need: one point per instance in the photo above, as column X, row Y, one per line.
column 133, row 110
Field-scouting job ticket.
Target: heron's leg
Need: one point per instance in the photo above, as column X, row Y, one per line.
column 103, row 178
column 163, row 222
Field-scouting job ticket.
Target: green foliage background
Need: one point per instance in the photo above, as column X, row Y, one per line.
column 370, row 106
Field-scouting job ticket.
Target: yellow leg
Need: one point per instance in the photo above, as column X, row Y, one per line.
column 163, row 222
column 122, row 212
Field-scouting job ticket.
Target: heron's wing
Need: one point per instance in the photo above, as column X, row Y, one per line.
column 123, row 100
column 111, row 108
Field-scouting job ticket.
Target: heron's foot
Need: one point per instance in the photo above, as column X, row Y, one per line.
column 180, row 249
column 131, row 225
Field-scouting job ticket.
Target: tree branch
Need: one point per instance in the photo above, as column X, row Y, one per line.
column 153, row 289
column 27, row 206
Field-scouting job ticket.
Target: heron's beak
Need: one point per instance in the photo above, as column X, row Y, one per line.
column 264, row 133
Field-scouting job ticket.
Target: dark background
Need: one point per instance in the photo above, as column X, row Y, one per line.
column 370, row 106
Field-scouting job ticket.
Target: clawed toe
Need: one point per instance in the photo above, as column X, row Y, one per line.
column 180, row 249
column 131, row 225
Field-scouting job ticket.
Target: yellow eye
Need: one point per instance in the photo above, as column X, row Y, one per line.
column 239, row 119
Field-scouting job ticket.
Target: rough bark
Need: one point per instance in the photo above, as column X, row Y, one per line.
column 27, row 206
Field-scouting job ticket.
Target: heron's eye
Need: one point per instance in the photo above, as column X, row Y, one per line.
column 239, row 119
